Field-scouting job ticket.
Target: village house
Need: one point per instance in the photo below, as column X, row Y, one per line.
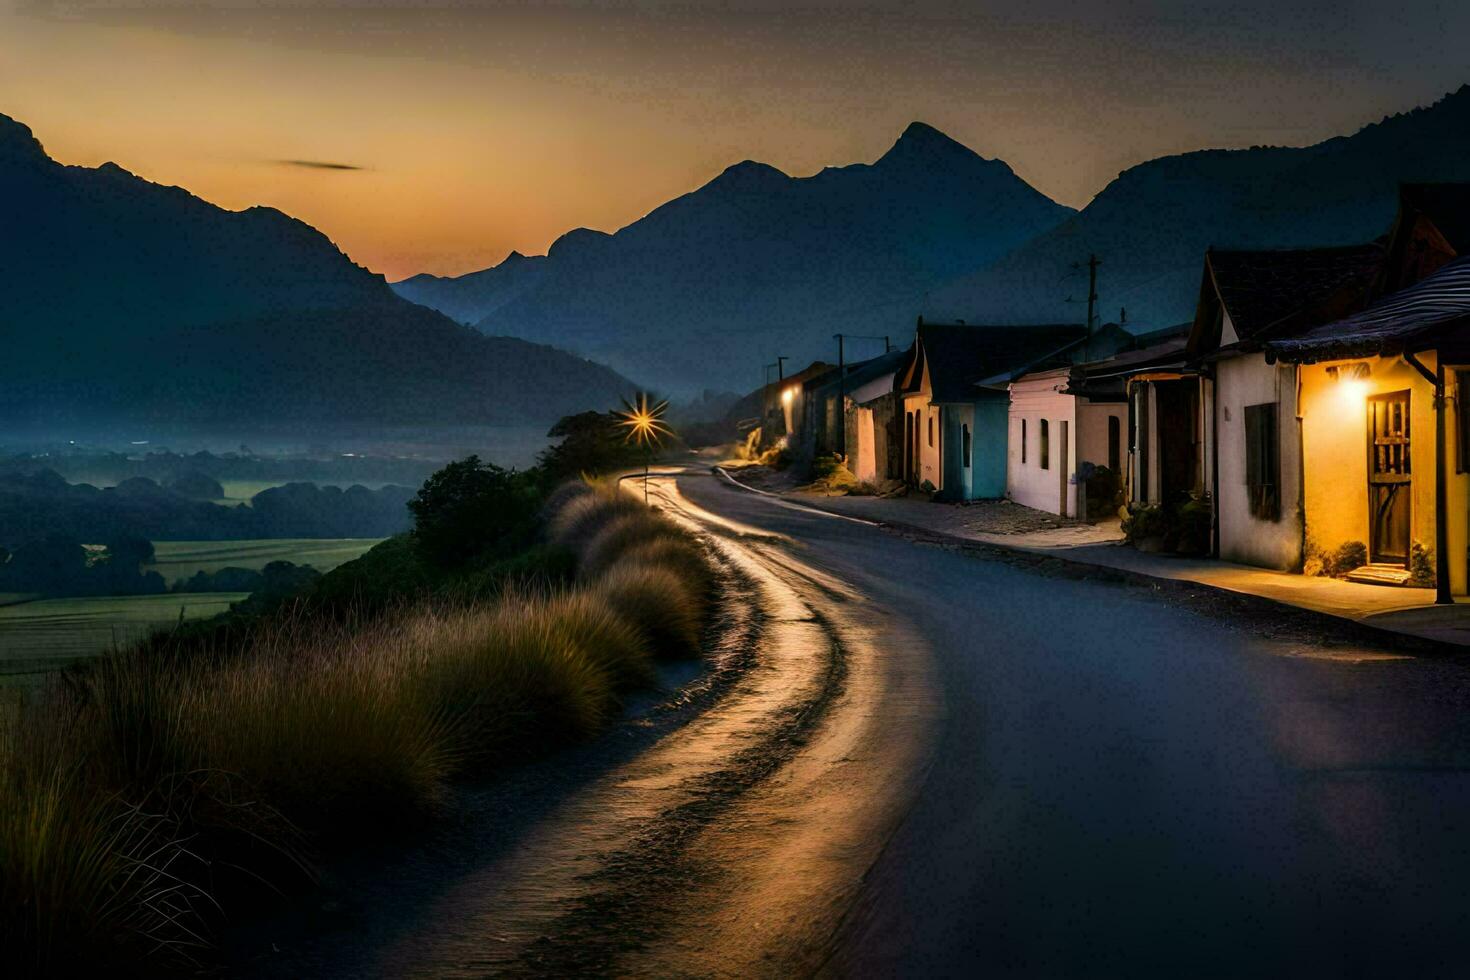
column 1330, row 370
column 1249, row 403
column 1122, row 394
column 872, row 428
column 777, row 409
column 1055, row 435
column 953, row 428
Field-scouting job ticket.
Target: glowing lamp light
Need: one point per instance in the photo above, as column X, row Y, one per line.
column 644, row 421
column 1352, row 380
column 645, row 425
column 787, row 395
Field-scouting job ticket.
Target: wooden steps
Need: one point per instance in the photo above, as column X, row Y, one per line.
column 1378, row 574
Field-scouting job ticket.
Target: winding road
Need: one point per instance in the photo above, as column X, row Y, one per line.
column 912, row 761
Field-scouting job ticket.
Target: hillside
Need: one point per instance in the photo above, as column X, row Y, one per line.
column 706, row 288
column 1151, row 226
column 124, row 300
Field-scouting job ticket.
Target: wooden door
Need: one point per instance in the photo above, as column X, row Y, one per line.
column 1390, row 476
column 1064, row 471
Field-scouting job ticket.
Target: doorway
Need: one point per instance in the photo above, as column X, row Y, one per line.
column 1390, row 478
column 1064, row 471
column 1177, row 416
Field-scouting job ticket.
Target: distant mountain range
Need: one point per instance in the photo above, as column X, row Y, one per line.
column 708, row 287
column 1150, row 227
column 124, row 300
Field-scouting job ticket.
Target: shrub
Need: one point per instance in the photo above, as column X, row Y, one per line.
column 659, row 603
column 1193, row 534
column 1145, row 521
column 1348, row 556
column 579, row 520
column 681, row 554
column 1104, row 489
column 617, row 536
column 471, row 508
column 1422, row 573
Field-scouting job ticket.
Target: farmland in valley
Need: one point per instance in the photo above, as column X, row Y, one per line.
column 181, row 559
column 44, row 634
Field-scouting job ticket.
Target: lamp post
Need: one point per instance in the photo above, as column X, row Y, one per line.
column 645, row 425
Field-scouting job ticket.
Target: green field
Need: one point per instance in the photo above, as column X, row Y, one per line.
column 240, row 491
column 44, row 634
column 181, row 559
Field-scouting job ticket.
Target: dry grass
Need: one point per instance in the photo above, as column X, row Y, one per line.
column 130, row 791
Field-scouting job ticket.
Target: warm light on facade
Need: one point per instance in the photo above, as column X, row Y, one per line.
column 787, row 396
column 1352, row 381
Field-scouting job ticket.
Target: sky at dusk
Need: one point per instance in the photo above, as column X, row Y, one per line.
column 460, row 131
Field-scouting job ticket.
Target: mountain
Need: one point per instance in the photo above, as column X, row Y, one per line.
column 470, row 298
column 708, row 287
column 1150, row 227
column 124, row 300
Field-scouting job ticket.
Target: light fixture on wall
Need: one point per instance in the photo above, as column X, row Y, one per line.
column 1352, row 379
column 787, row 396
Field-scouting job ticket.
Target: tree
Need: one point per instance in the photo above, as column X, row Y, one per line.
column 591, row 442
column 129, row 551
column 471, row 509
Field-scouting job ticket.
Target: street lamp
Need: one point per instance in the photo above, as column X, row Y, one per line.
column 645, row 426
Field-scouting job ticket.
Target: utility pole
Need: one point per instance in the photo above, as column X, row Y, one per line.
column 780, row 368
column 841, row 402
column 1092, row 263
column 766, row 401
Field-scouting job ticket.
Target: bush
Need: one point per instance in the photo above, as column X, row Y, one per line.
column 470, row 509
column 1348, row 556
column 1104, row 489
column 1145, row 522
column 1194, row 525
column 1422, row 573
column 661, row 605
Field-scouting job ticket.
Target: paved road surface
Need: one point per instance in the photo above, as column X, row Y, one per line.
column 1120, row 787
column 947, row 766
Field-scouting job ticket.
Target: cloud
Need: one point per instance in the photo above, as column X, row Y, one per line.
column 319, row 165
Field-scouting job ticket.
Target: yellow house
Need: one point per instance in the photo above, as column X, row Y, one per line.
column 1331, row 398
column 1382, row 431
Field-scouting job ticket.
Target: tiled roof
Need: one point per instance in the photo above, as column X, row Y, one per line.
column 1447, row 205
column 958, row 355
column 1263, row 287
column 1411, row 319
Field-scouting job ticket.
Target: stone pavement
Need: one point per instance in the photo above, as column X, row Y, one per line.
column 1010, row 525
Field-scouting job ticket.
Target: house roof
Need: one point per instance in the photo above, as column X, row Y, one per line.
column 860, row 372
column 1447, row 205
column 1105, row 378
column 1426, row 314
column 1109, row 337
column 1261, row 288
column 957, row 355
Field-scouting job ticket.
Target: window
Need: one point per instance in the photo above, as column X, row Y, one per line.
column 1023, row 442
column 1045, row 444
column 1263, row 461
column 1115, row 443
column 965, row 445
column 931, row 432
